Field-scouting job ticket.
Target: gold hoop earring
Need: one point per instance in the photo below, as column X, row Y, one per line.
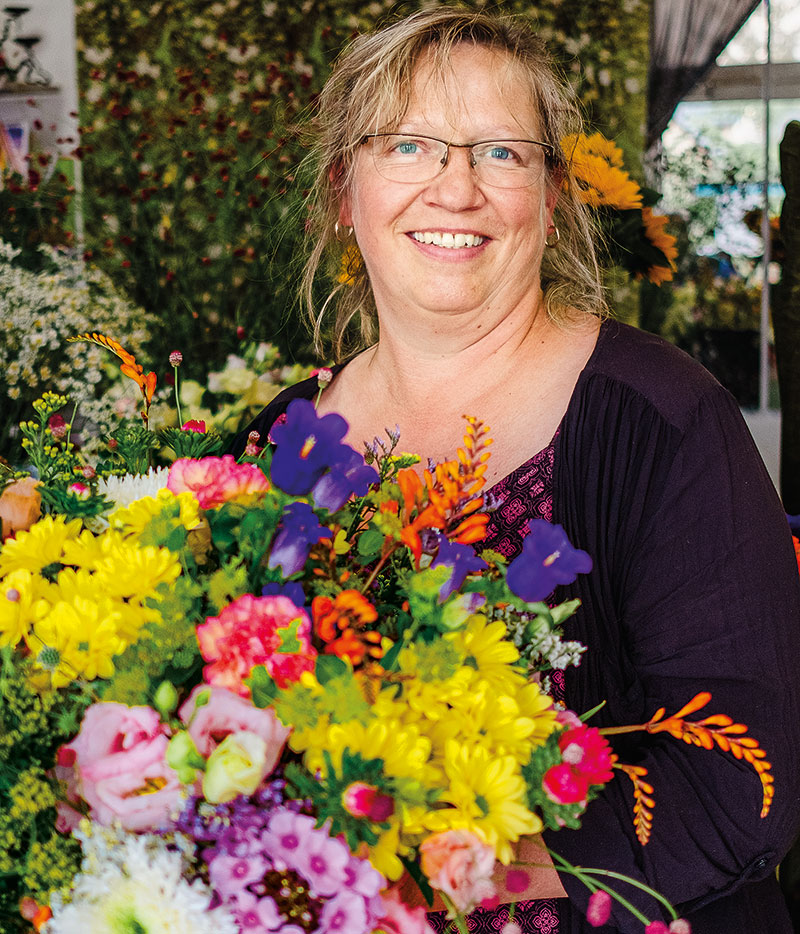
column 553, row 232
column 337, row 230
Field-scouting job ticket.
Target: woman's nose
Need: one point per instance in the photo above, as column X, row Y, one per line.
column 456, row 187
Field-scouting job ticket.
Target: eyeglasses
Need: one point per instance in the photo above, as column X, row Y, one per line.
column 502, row 163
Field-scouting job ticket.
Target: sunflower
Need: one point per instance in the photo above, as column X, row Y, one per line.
column 654, row 225
column 596, row 164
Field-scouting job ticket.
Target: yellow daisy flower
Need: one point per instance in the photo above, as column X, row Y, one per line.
column 487, row 795
column 23, row 600
column 74, row 585
column 39, row 546
column 127, row 570
column 486, row 648
column 596, row 164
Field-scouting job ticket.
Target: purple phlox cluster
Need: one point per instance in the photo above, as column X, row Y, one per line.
column 462, row 559
column 286, row 876
column 299, row 530
column 547, row 559
column 291, row 589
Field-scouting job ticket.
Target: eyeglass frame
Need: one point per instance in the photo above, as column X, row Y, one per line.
column 549, row 151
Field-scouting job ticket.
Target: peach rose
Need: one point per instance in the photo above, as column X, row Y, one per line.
column 460, row 865
column 20, row 506
column 398, row 918
column 119, row 762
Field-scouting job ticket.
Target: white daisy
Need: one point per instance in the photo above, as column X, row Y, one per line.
column 123, row 491
column 133, row 883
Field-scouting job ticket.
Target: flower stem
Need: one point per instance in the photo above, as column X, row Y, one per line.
column 177, row 397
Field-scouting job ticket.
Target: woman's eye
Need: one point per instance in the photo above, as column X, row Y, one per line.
column 502, row 153
column 407, row 147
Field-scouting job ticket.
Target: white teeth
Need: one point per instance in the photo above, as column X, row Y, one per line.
column 449, row 240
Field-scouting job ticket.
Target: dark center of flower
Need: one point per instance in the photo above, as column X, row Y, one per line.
column 291, row 895
column 49, row 658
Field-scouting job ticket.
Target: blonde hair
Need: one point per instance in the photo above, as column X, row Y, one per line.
column 372, row 80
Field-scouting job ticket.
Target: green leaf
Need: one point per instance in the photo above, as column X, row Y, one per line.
column 290, row 644
column 262, row 688
column 329, row 667
column 370, row 543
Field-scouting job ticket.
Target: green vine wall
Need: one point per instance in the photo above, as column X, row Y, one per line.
column 190, row 155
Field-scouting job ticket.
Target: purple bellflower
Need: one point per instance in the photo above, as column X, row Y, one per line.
column 547, row 559
column 462, row 559
column 347, row 476
column 298, row 531
column 291, row 589
column 305, row 447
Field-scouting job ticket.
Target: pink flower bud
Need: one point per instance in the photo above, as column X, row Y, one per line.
column 324, row 376
column 599, row 910
column 240, row 332
column 58, row 427
column 13, row 595
column 511, row 927
column 79, row 489
column 363, row 800
column 680, row 926
column 656, row 927
column 196, row 425
column 252, row 450
column 175, row 358
column 88, row 472
column 254, row 437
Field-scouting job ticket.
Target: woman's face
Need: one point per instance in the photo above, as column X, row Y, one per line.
column 499, row 269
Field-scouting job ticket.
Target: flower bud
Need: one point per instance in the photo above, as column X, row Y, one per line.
column 175, row 358
column 165, row 699
column 363, row 800
column 236, row 767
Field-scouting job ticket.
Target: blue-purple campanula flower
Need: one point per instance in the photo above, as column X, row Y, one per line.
column 547, row 559
column 462, row 559
column 305, row 447
column 348, row 476
column 298, row 531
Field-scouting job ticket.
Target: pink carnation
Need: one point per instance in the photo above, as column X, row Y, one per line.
column 196, row 425
column 120, row 766
column 588, row 752
column 459, row 864
column 215, row 480
column 564, row 785
column 250, row 632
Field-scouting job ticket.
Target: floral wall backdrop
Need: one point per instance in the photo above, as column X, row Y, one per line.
column 190, row 149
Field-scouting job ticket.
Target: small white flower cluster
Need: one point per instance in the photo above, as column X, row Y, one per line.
column 39, row 312
column 135, row 882
column 123, row 491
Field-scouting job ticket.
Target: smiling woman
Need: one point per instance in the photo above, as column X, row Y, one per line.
column 477, row 291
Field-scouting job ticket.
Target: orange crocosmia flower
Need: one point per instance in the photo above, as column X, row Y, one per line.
column 797, row 550
column 342, row 623
column 129, row 366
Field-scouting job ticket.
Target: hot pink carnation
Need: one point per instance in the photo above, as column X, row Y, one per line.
column 251, row 631
column 227, row 713
column 120, row 766
column 459, row 864
column 588, row 752
column 215, row 480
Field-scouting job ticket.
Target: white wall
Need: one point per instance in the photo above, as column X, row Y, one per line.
column 54, row 22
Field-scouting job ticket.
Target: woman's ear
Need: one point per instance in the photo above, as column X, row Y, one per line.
column 552, row 193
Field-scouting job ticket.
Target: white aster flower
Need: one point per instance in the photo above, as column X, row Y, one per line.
column 123, row 491
column 133, row 882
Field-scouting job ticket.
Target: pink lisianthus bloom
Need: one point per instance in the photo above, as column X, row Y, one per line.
column 121, row 768
column 251, row 631
column 398, row 918
column 588, row 752
column 215, row 480
column 459, row 864
column 225, row 713
column 564, row 785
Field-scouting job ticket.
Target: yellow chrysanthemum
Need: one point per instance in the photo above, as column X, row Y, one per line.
column 486, row 648
column 23, row 600
column 596, row 164
column 487, row 795
column 74, row 585
column 134, row 518
column 121, row 567
column 41, row 545
column 75, row 640
column 351, row 264
column 424, row 696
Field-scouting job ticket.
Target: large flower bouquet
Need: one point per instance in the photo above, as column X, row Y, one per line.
column 263, row 692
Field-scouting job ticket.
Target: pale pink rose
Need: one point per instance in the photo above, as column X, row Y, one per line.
column 120, row 766
column 215, row 480
column 227, row 713
column 459, row 864
column 400, row 919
